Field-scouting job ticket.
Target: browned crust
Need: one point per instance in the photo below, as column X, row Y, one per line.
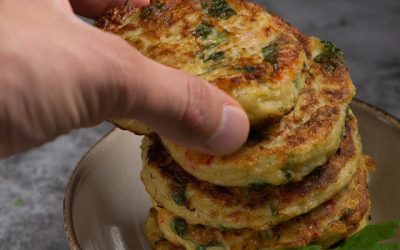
column 158, row 19
column 337, row 91
column 323, row 176
column 118, row 15
column 251, row 198
column 114, row 17
column 350, row 213
column 334, row 220
column 154, row 234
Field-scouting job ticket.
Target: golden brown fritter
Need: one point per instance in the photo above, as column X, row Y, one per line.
column 302, row 140
column 238, row 46
column 332, row 221
column 154, row 234
column 257, row 207
column 262, row 62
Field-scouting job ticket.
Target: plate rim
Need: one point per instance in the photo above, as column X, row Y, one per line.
column 69, row 192
column 74, row 179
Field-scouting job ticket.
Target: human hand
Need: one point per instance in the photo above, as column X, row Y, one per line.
column 58, row 73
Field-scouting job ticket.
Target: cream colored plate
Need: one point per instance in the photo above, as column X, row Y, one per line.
column 105, row 203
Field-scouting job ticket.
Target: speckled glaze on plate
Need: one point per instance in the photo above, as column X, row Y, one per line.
column 105, row 203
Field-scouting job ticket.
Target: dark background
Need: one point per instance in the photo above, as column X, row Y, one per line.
column 32, row 184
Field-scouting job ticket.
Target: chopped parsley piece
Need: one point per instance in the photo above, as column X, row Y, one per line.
column 19, row 202
column 203, row 30
column 214, row 39
column 178, row 194
column 248, row 69
column 347, row 112
column 219, row 8
column 270, row 53
column 217, row 56
column 330, row 55
column 274, row 209
column 288, row 174
column 179, row 226
column 149, row 10
column 210, row 46
column 220, row 38
column 159, row 5
column 222, row 227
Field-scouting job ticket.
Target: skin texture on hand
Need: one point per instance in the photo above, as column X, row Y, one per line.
column 58, row 73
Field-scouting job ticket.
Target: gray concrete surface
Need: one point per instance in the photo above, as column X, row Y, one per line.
column 32, row 184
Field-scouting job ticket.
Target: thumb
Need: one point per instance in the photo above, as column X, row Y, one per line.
column 177, row 105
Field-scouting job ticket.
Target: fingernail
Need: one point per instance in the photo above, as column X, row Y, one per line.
column 231, row 133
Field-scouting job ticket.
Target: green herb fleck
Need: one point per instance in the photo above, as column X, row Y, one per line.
column 219, row 8
column 258, row 184
column 149, row 10
column 220, row 38
column 270, row 53
column 298, row 82
column 348, row 112
column 274, row 209
column 159, row 5
column 178, row 194
column 217, row 56
column 288, row 174
column 222, row 227
column 215, row 39
column 203, row 30
column 248, row 69
column 330, row 55
column 179, row 226
column 200, row 248
column 210, row 46
column 19, row 202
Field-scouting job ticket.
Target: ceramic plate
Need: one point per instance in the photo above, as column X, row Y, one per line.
column 105, row 203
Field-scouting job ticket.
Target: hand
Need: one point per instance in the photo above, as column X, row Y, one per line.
column 58, row 73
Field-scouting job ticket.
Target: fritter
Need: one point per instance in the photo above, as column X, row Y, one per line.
column 238, row 46
column 302, row 140
column 162, row 244
column 154, row 234
column 332, row 221
column 257, row 207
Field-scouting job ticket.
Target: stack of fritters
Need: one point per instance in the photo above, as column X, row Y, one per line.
column 301, row 177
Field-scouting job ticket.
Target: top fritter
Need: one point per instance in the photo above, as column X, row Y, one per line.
column 238, row 46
